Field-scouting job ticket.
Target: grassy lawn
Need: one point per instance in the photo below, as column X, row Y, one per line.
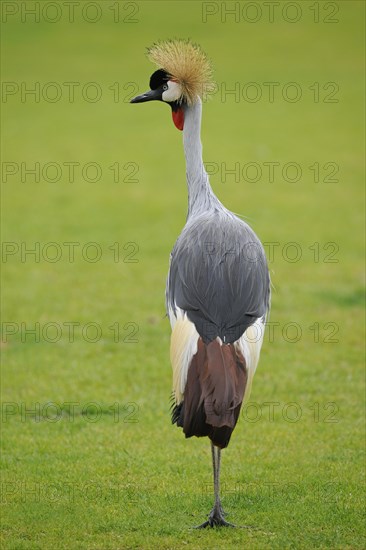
column 89, row 457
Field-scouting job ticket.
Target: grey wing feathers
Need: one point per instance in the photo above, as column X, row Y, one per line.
column 219, row 276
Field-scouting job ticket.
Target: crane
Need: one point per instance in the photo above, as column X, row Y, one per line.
column 218, row 285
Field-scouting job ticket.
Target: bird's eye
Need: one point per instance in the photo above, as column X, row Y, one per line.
column 165, row 87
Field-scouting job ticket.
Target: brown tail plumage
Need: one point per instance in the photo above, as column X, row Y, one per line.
column 214, row 392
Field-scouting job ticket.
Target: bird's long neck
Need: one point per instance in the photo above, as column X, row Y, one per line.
column 200, row 195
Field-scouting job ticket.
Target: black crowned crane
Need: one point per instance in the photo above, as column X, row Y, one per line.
column 218, row 286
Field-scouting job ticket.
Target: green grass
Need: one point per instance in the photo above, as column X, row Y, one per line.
column 106, row 481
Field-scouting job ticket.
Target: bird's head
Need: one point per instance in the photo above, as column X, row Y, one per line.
column 165, row 88
column 186, row 75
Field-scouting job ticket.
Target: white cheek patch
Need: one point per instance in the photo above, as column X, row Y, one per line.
column 173, row 93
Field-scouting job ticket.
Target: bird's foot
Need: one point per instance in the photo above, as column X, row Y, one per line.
column 216, row 519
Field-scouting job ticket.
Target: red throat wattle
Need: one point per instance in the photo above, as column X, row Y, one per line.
column 178, row 118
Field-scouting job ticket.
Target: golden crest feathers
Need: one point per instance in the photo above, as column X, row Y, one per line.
column 187, row 64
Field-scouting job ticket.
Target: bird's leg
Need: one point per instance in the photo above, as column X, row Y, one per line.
column 216, row 517
column 216, row 468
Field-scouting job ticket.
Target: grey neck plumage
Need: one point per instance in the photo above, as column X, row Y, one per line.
column 201, row 198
